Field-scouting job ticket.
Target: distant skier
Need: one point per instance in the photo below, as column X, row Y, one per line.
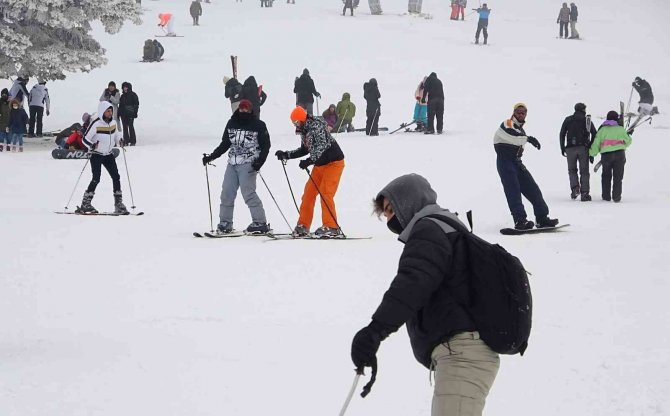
column 306, row 91
column 563, row 19
column 646, row 102
column 196, row 12
column 129, row 106
column 102, row 136
column 254, row 93
column 233, row 91
column 247, row 141
column 574, row 13
column 328, row 160
column 38, row 100
column 19, row 90
column 612, row 141
column 509, row 141
column 348, row 4
column 346, row 111
column 373, row 109
column 167, row 22
column 433, row 93
column 420, row 107
column 482, row 23
column 579, row 133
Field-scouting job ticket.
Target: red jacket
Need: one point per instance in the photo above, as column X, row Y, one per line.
column 75, row 139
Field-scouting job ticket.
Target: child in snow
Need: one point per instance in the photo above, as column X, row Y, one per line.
column 18, row 121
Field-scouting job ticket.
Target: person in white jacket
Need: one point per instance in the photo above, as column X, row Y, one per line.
column 101, row 137
column 38, row 99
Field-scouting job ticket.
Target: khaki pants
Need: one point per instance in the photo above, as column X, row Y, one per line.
column 465, row 368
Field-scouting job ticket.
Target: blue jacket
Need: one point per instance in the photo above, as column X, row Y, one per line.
column 18, row 118
column 484, row 13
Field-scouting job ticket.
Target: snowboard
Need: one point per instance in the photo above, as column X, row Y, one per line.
column 513, row 231
column 77, row 154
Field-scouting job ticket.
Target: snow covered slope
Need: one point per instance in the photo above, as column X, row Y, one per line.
column 132, row 316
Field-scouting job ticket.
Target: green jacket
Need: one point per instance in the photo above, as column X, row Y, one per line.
column 610, row 139
column 346, row 110
column 4, row 114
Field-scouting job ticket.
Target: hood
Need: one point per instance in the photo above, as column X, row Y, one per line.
column 127, row 84
column 251, row 81
column 373, row 81
column 5, row 91
column 103, row 106
column 346, row 96
column 408, row 194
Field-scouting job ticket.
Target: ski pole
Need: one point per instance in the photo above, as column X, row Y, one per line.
column 317, row 107
column 283, row 164
column 75, row 185
column 341, row 121
column 209, row 198
column 324, row 201
column 373, row 121
column 275, row 201
column 130, row 187
column 351, row 393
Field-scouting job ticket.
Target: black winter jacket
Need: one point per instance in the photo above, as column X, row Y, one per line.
column 644, row 89
column 129, row 104
column 233, row 90
column 371, row 95
column 574, row 130
column 432, row 88
column 247, row 138
column 251, row 92
column 305, row 89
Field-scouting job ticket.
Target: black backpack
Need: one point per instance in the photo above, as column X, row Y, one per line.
column 500, row 300
column 579, row 131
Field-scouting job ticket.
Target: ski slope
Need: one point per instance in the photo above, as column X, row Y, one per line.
column 132, row 316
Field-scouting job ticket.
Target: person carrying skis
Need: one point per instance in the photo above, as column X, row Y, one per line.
column 233, row 91
column 305, row 92
column 482, row 23
column 346, row 111
column 373, row 109
column 420, row 107
column 129, row 106
column 167, row 21
column 252, row 92
column 433, row 92
column 612, row 141
column 509, row 141
column 577, row 128
column 38, row 99
column 102, row 136
column 430, row 297
column 574, row 13
column 646, row 102
column 196, row 12
column 247, row 141
column 328, row 160
column 563, row 19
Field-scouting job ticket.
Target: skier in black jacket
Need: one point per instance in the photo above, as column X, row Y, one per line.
column 646, row 97
column 429, row 295
column 252, row 92
column 373, row 109
column 305, row 92
column 129, row 105
column 433, row 93
column 576, row 128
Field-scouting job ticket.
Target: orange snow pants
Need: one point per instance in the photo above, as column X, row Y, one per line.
column 327, row 178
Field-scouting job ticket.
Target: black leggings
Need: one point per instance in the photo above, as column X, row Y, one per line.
column 109, row 162
column 128, row 130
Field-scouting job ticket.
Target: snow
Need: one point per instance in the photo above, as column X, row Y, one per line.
column 133, row 316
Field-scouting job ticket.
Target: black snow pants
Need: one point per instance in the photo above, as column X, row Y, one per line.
column 435, row 110
column 517, row 181
column 109, row 162
column 372, row 122
column 613, row 165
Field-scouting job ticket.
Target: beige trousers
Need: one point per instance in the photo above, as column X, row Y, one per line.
column 465, row 368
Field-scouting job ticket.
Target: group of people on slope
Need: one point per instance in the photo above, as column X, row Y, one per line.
column 126, row 107
column 14, row 121
column 250, row 90
column 568, row 15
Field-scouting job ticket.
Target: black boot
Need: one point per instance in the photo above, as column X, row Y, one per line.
column 546, row 222
column 523, row 224
column 86, row 207
column 585, row 197
column 119, row 208
column 575, row 192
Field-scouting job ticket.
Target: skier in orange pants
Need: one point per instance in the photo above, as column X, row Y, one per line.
column 328, row 160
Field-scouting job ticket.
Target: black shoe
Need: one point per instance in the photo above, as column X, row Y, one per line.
column 524, row 224
column 616, row 199
column 575, row 192
column 429, row 132
column 439, row 132
column 585, row 197
column 546, row 222
column 606, row 198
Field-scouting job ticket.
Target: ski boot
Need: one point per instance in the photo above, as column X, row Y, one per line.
column 328, row 232
column 546, row 222
column 585, row 198
column 524, row 224
column 119, row 208
column 224, row 228
column 575, row 192
column 86, row 207
column 258, row 228
column 300, row 231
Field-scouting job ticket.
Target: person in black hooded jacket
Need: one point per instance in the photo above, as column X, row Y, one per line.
column 429, row 295
column 305, row 92
column 575, row 143
column 233, row 91
column 373, row 109
column 433, row 93
column 129, row 106
column 252, row 92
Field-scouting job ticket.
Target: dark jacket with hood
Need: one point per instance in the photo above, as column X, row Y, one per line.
column 371, row 95
column 574, row 129
column 317, row 142
column 4, row 110
column 233, row 90
column 248, row 139
column 432, row 88
column 644, row 89
column 251, row 92
column 195, row 9
column 431, row 286
column 573, row 12
column 305, row 89
column 129, row 104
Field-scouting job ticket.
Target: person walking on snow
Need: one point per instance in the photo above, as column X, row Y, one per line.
column 346, row 111
column 563, row 19
column 112, row 96
column 646, row 102
column 509, row 141
column 574, row 13
column 420, row 107
column 167, row 22
column 433, row 93
column 38, row 99
column 129, row 106
column 102, row 136
column 482, row 23
column 196, row 12
column 247, row 141
column 612, row 141
column 577, row 129
column 306, row 91
column 373, row 109
column 328, row 160
column 429, row 295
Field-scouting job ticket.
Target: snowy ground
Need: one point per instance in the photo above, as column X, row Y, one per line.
column 132, row 316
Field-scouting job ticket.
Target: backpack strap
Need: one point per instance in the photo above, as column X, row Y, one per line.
column 456, row 225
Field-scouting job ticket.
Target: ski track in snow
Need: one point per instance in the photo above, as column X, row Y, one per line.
column 133, row 316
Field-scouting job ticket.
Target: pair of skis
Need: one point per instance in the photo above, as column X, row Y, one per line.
column 100, row 214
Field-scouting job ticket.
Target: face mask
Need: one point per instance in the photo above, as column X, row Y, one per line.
column 394, row 225
column 15, row 107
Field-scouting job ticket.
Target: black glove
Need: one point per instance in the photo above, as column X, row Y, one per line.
column 563, row 152
column 591, row 159
column 305, row 163
column 206, row 159
column 257, row 165
column 631, row 131
column 281, row 155
column 318, row 95
column 365, row 345
column 532, row 140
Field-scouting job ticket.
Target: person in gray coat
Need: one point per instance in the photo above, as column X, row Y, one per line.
column 113, row 96
column 563, row 20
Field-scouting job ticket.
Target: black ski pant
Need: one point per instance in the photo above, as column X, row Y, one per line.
column 578, row 155
column 517, row 181
column 482, row 25
column 128, row 124
column 372, row 122
column 109, row 162
column 563, row 29
column 36, row 116
column 613, row 165
column 195, row 20
column 435, row 110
